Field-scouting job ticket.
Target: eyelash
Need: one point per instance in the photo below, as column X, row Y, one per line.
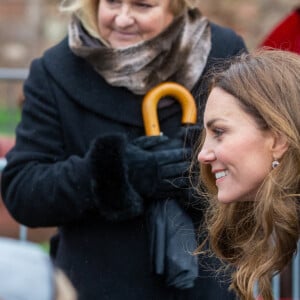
column 139, row 4
column 144, row 5
column 111, row 1
column 217, row 132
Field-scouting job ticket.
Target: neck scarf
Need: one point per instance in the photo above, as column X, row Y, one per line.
column 177, row 54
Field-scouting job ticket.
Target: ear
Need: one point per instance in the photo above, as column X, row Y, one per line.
column 280, row 145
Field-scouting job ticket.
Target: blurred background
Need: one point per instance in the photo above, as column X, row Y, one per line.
column 27, row 27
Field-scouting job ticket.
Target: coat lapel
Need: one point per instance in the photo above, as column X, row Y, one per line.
column 92, row 92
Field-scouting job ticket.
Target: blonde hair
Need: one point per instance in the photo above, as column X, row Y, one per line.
column 86, row 11
column 259, row 238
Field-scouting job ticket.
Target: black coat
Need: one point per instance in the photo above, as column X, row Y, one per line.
column 48, row 178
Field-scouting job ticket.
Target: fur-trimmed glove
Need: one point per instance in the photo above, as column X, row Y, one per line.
column 125, row 174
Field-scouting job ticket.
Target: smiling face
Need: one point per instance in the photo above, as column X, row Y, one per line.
column 123, row 23
column 239, row 153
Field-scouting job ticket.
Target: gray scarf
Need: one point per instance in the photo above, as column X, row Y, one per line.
column 177, row 54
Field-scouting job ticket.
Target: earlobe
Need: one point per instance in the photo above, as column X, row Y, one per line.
column 280, row 145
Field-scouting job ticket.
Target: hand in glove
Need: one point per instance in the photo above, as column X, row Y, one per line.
column 158, row 166
column 124, row 173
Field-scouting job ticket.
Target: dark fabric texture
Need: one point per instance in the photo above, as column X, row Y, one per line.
column 172, row 241
column 48, row 179
column 117, row 199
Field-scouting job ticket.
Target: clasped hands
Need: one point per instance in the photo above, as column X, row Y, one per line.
column 128, row 174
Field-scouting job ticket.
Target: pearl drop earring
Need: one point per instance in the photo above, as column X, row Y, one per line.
column 275, row 163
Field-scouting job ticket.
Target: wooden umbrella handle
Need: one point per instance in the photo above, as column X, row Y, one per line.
column 174, row 90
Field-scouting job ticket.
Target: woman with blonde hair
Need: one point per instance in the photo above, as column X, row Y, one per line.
column 81, row 161
column 250, row 166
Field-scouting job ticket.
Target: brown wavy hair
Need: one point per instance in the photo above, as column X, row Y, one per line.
column 86, row 11
column 259, row 238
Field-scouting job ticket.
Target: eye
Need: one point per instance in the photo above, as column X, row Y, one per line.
column 113, row 2
column 143, row 5
column 217, row 132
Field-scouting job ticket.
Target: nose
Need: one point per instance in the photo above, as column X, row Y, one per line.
column 206, row 155
column 124, row 18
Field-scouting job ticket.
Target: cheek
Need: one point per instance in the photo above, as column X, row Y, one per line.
column 260, row 166
column 157, row 23
column 167, row 20
column 104, row 18
column 226, row 153
column 150, row 24
column 244, row 158
column 254, row 165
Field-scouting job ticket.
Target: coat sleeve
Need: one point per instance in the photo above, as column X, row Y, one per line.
column 40, row 185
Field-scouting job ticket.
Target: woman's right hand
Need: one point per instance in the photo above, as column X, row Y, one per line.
column 147, row 168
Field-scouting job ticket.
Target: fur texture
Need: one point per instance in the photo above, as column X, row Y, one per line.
column 116, row 198
column 177, row 54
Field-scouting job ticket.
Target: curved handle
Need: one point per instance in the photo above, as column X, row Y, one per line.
column 151, row 99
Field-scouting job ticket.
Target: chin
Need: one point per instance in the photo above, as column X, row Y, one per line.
column 226, row 201
column 119, row 44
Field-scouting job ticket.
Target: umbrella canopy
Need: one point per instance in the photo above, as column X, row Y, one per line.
column 286, row 35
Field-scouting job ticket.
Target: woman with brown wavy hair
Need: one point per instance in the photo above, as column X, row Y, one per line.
column 250, row 166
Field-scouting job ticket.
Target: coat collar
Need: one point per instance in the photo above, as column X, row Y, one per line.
column 91, row 91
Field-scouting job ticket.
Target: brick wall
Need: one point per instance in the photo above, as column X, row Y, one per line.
column 27, row 27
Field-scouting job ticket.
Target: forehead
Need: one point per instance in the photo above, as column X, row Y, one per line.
column 220, row 101
column 224, row 106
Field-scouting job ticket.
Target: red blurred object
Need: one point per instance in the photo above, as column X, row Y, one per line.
column 286, row 35
column 6, row 143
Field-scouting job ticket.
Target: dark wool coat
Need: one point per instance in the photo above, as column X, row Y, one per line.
column 48, row 178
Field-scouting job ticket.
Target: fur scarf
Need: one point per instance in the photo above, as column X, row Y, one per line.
column 177, row 54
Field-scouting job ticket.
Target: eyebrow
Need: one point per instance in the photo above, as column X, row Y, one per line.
column 212, row 121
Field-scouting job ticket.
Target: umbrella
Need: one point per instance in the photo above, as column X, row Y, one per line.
column 171, row 230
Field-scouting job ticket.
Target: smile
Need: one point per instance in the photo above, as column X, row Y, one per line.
column 221, row 174
column 122, row 33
